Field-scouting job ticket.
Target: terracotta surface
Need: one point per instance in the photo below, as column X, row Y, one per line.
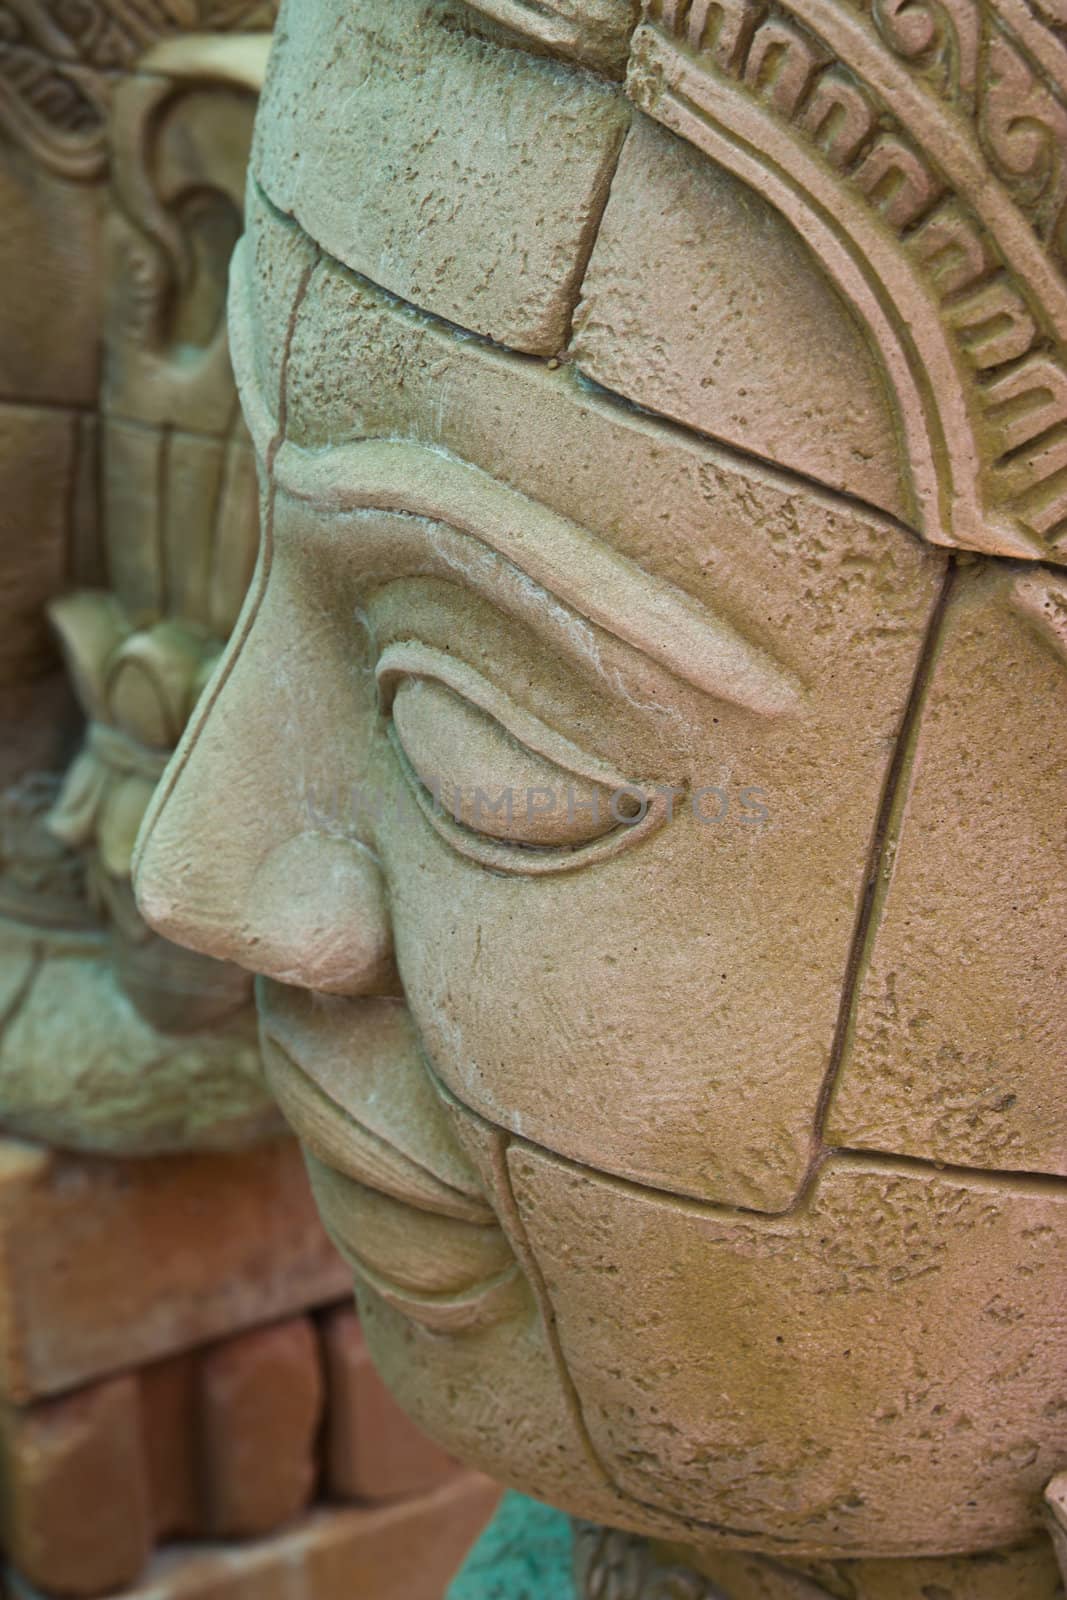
column 107, row 1265
column 261, row 1399
column 76, row 1512
column 400, row 1552
column 372, row 1449
column 227, row 1441
column 692, row 439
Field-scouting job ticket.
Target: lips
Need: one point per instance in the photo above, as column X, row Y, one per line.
column 397, row 1195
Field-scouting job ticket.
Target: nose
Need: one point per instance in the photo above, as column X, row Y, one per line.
column 229, row 860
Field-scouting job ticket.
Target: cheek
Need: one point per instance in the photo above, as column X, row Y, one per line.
column 564, row 1008
column 665, row 1016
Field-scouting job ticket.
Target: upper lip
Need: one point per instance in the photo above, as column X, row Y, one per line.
column 400, row 1142
column 332, row 1112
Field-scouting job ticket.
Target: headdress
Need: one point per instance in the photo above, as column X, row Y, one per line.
column 920, row 148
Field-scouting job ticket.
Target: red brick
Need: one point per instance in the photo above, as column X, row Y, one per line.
column 108, row 1265
column 407, row 1551
column 373, row 1450
column 170, row 1427
column 75, row 1515
column 259, row 1405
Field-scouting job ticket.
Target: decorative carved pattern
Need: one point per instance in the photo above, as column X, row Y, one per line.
column 939, row 38
column 48, row 105
column 609, row 1565
column 950, row 269
column 58, row 59
column 178, row 510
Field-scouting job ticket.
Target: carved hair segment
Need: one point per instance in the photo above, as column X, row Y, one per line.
column 884, row 138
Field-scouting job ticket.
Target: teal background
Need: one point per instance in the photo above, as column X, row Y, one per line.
column 524, row 1554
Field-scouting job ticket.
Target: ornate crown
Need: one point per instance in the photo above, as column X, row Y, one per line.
column 920, row 147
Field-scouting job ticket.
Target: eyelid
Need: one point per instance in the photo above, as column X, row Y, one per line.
column 409, row 658
column 515, row 860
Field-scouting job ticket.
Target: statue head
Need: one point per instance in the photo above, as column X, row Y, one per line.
column 635, row 776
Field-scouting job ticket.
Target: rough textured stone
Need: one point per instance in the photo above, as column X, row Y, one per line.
column 801, row 1359
column 604, row 1241
column 701, row 303
column 130, row 1086
column 410, row 149
column 800, row 576
column 956, row 1046
column 595, row 32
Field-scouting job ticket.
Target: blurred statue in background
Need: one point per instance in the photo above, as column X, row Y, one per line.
column 637, row 775
column 112, row 1039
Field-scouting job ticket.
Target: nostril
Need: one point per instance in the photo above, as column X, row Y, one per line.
column 317, row 917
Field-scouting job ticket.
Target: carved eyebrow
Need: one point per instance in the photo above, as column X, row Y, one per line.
column 602, row 585
column 607, row 588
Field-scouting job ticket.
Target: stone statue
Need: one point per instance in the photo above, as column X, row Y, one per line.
column 130, row 523
column 637, row 773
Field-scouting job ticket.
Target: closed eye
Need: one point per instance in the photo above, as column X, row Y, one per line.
column 495, row 781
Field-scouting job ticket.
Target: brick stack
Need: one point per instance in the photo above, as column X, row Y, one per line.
column 187, row 1409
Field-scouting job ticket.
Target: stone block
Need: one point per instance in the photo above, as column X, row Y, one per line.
column 956, row 1047
column 463, row 177
column 685, row 252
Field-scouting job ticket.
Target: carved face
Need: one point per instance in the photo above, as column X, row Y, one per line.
column 558, row 782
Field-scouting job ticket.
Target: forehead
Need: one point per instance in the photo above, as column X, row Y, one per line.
column 795, row 571
column 461, row 175
column 522, row 197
